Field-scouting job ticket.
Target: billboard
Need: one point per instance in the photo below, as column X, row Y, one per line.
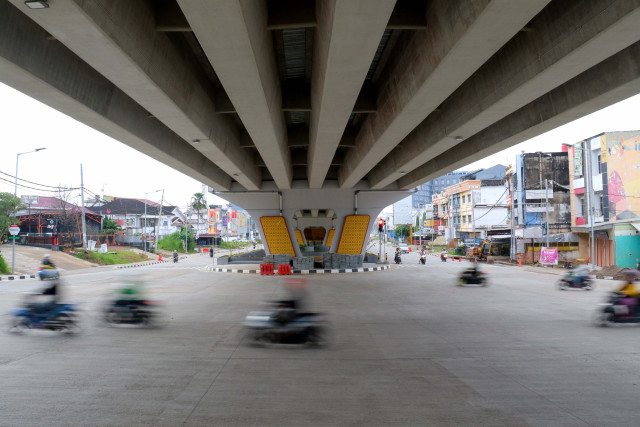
column 211, row 223
column 549, row 256
column 622, row 158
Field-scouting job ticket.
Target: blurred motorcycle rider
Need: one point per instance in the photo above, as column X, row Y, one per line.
column 130, row 292
column 630, row 288
column 296, row 302
column 53, row 291
column 47, row 262
column 579, row 273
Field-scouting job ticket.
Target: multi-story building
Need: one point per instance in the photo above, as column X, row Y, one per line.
column 535, row 173
column 605, row 197
column 471, row 209
column 422, row 196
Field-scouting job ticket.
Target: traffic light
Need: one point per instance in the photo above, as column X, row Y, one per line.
column 381, row 225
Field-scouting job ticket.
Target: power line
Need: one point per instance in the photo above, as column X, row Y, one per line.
column 30, row 182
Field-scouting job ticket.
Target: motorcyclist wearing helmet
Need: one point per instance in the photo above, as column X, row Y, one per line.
column 47, row 262
column 579, row 273
column 630, row 288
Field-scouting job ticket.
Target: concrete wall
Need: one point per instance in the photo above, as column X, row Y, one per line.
column 627, row 245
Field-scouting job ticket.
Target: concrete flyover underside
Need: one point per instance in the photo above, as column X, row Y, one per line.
column 276, row 94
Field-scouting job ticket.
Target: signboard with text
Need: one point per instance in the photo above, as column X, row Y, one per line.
column 549, row 256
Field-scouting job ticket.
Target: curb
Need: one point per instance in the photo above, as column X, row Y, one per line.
column 24, row 276
column 141, row 265
column 302, row 272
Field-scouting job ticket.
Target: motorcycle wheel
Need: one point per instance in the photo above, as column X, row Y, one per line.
column 317, row 336
column 68, row 323
column 112, row 317
column 587, row 286
column 603, row 319
column 562, row 285
column 18, row 325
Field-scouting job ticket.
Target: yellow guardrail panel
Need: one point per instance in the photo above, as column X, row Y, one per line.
column 330, row 237
column 277, row 235
column 354, row 233
column 299, row 237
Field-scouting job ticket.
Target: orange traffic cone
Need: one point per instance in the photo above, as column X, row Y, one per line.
column 520, row 262
column 160, row 257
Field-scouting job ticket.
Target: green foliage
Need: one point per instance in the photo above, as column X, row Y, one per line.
column 109, row 227
column 4, row 268
column 9, row 204
column 175, row 242
column 402, row 230
column 198, row 202
column 424, row 217
column 236, row 245
column 418, row 221
column 120, row 257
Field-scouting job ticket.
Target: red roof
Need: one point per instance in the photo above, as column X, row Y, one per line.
column 54, row 203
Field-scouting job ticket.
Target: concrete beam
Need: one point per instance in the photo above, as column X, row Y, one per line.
column 235, row 38
column 408, row 15
column 46, row 70
column 283, row 14
column 561, row 43
column 119, row 40
column 608, row 82
column 169, row 17
column 461, row 35
column 347, row 36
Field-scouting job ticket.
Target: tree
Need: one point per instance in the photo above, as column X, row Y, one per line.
column 402, row 230
column 417, row 222
column 198, row 203
column 9, row 205
column 109, row 227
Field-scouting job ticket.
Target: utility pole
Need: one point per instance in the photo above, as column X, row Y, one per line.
column 84, row 221
column 546, row 210
column 157, row 227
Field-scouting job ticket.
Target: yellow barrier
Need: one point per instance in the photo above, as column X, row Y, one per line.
column 276, row 235
column 354, row 233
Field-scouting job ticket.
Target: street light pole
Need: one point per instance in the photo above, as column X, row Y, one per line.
column 15, row 193
column 144, row 228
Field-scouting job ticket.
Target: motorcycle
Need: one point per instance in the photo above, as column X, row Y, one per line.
column 175, row 258
column 443, row 257
column 134, row 312
column 423, row 259
column 397, row 259
column 472, row 277
column 584, row 282
column 47, row 272
column 54, row 317
column 619, row 309
column 276, row 325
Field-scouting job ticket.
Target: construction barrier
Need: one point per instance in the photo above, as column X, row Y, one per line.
column 266, row 269
column 284, row 269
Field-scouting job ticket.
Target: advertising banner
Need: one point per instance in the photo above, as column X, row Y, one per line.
column 549, row 256
column 577, row 159
column 212, row 221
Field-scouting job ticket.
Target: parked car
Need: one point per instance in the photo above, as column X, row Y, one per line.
column 404, row 248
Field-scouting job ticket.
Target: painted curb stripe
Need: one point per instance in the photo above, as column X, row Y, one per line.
column 315, row 271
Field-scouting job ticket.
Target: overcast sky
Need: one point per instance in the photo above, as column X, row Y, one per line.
column 116, row 169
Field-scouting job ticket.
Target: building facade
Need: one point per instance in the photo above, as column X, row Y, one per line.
column 472, row 209
column 605, row 197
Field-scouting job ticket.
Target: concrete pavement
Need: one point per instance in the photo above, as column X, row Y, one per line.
column 408, row 348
